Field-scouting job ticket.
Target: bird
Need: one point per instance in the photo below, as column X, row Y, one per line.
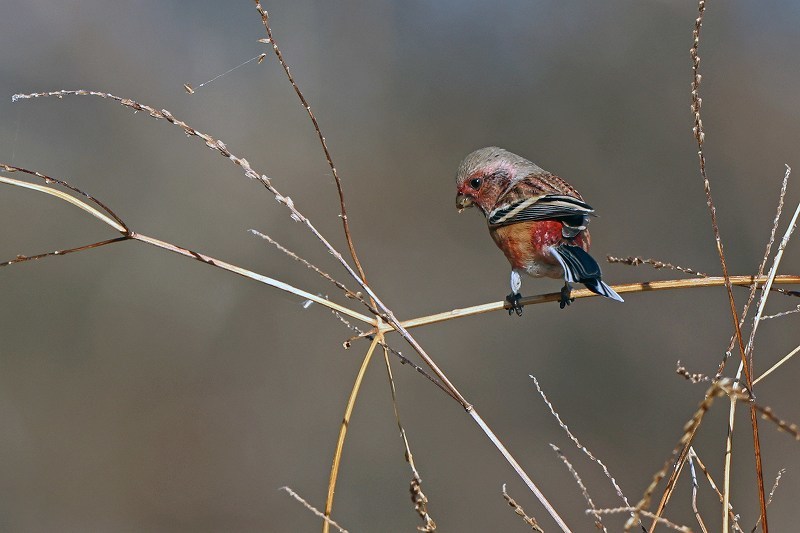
column 536, row 218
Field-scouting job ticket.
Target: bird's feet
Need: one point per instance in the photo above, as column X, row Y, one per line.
column 565, row 300
column 514, row 299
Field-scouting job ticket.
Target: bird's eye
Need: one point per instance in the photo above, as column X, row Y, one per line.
column 476, row 183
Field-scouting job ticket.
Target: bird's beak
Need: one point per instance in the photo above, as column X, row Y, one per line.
column 463, row 201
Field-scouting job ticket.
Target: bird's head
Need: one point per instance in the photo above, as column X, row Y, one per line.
column 484, row 175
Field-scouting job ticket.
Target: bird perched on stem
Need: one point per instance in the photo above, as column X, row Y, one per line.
column 537, row 219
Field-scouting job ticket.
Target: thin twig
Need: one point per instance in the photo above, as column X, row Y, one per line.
column 782, row 313
column 699, row 136
column 787, row 427
column 692, row 377
column 250, row 275
column 655, row 263
column 347, row 292
column 773, row 271
column 743, row 366
column 734, row 517
column 313, row 509
column 23, row 258
column 402, row 358
column 307, row 107
column 50, row 180
column 776, row 365
column 351, row 402
column 656, row 519
column 598, row 522
column 771, row 493
column 761, row 266
column 519, row 511
column 646, row 286
column 724, row 387
column 113, row 222
column 578, row 444
column 694, row 494
column 418, row 497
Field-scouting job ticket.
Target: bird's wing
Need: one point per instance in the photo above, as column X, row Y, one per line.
column 572, row 212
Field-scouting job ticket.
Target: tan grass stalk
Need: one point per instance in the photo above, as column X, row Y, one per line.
column 417, row 496
column 774, row 367
column 598, row 522
column 182, row 251
column 699, row 135
column 348, row 412
column 648, row 514
column 646, row 286
column 578, row 443
column 313, row 509
column 519, row 511
column 343, row 210
column 743, row 366
column 67, row 198
column 734, row 518
column 695, row 509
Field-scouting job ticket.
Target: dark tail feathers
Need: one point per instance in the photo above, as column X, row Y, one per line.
column 581, row 267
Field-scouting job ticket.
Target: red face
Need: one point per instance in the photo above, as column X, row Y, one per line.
column 482, row 187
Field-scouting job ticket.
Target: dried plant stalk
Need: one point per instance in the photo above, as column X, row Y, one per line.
column 519, row 511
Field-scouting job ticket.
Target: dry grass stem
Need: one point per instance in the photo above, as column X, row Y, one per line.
column 655, row 263
column 63, row 196
column 699, row 136
column 743, row 367
column 418, row 497
column 773, row 271
column 348, row 412
column 313, row 509
column 347, row 292
column 782, row 313
column 577, row 443
column 690, row 376
column 733, row 517
column 598, row 522
column 724, row 387
column 519, row 511
column 787, row 427
column 694, row 494
column 23, row 258
column 116, row 223
column 647, row 286
column 767, row 248
column 251, row 275
column 771, row 493
column 648, row 514
column 777, row 365
column 343, row 210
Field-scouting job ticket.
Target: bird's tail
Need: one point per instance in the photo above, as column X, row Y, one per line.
column 581, row 267
column 597, row 286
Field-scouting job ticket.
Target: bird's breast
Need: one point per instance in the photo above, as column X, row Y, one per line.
column 527, row 245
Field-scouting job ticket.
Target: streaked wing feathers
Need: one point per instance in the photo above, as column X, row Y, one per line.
column 572, row 211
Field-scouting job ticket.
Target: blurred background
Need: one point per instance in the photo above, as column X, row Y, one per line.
column 142, row 391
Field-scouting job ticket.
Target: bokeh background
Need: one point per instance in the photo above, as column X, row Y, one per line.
column 141, row 391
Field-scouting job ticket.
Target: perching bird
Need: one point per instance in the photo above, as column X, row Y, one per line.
column 537, row 219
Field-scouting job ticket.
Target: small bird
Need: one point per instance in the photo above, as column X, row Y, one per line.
column 537, row 219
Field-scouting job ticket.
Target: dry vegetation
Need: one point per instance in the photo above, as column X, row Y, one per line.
column 374, row 323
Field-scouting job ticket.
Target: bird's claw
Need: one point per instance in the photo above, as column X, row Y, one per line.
column 514, row 299
column 565, row 300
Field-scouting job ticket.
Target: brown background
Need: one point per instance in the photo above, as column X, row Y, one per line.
column 143, row 391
